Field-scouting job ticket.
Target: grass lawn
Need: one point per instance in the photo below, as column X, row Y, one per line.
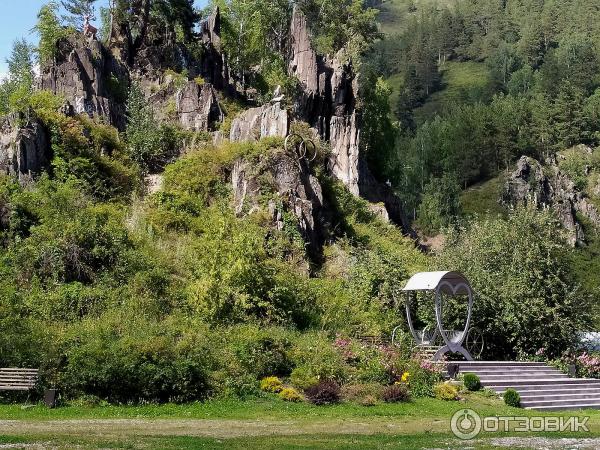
column 259, row 423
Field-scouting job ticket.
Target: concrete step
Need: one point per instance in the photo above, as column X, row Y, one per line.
column 559, row 402
column 566, row 406
column 500, row 383
column 500, row 372
column 501, row 363
column 491, row 379
column 560, row 396
column 542, row 390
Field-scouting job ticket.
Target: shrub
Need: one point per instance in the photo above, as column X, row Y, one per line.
column 445, row 391
column 395, row 393
column 303, row 378
column 324, row 393
column 319, row 358
column 123, row 358
column 369, row 400
column 472, row 382
column 271, row 384
column 361, row 391
column 512, row 398
column 513, row 299
column 290, row 394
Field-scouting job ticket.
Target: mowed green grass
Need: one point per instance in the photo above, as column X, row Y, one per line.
column 265, row 423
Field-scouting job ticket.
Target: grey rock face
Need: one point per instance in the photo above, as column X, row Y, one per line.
column 24, row 151
column 297, row 190
column 257, row 123
column 328, row 103
column 87, row 75
column 197, row 107
column 303, row 64
column 529, row 184
column 344, row 139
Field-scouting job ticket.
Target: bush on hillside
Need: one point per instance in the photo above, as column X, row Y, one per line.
column 326, row 392
column 526, row 296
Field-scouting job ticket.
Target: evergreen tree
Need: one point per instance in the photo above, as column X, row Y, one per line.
column 77, row 10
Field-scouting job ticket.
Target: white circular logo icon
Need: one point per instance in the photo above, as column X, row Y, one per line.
column 465, row 424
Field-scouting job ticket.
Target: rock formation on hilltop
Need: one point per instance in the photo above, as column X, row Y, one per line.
column 548, row 186
column 329, row 102
column 186, row 88
column 87, row 75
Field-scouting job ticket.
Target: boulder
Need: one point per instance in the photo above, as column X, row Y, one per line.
column 198, row 107
column 25, row 151
column 257, row 123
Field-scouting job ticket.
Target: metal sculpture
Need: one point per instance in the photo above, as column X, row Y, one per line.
column 305, row 149
column 439, row 284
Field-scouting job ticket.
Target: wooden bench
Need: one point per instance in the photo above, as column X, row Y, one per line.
column 12, row 379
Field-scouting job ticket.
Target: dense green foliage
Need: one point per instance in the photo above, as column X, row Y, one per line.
column 520, row 272
column 77, row 11
column 50, row 30
column 171, row 296
column 18, row 86
column 542, row 62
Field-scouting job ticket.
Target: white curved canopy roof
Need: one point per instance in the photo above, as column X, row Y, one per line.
column 429, row 281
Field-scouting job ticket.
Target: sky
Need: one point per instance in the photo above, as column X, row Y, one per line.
column 18, row 17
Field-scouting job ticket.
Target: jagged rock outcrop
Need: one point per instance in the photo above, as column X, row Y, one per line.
column 213, row 65
column 532, row 183
column 328, row 102
column 297, row 191
column 257, row 123
column 198, row 107
column 25, row 151
column 90, row 78
column 345, row 157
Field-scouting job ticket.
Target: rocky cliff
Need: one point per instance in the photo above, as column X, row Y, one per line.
column 87, row 75
column 24, row 147
column 329, row 102
column 549, row 186
column 94, row 79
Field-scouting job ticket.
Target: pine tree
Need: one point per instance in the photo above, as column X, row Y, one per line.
column 77, row 10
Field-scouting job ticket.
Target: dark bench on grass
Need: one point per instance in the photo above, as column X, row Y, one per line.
column 12, row 379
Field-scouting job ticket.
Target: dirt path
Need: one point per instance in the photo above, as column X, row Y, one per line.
column 217, row 428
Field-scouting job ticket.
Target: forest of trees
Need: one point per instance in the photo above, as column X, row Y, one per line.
column 543, row 61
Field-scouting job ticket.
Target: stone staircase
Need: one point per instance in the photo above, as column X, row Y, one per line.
column 541, row 387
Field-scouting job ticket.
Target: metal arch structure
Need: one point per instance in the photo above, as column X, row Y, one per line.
column 439, row 283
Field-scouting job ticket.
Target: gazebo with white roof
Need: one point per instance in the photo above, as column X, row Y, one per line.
column 440, row 283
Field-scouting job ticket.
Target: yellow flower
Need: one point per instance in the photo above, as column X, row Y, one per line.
column 405, row 376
